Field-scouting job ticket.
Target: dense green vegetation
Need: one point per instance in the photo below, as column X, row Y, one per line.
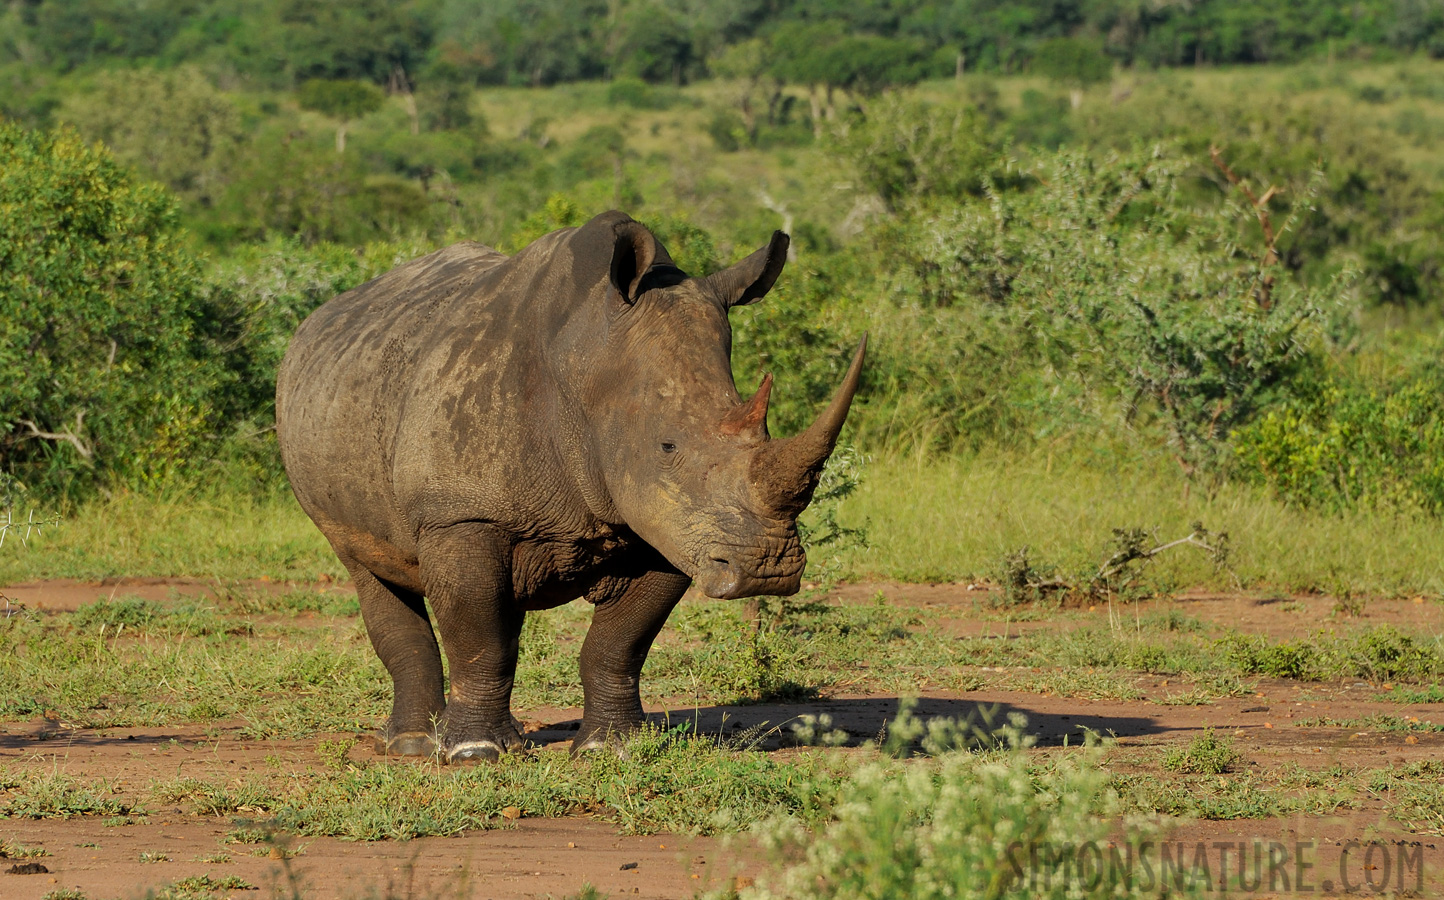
column 1174, row 269
column 824, row 42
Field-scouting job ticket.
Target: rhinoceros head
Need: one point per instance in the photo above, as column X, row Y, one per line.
column 690, row 465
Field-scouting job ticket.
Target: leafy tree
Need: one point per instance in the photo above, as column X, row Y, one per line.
column 654, row 43
column 73, row 32
column 1074, row 63
column 747, row 63
column 171, row 125
column 105, row 368
column 532, row 42
column 287, row 187
column 342, row 100
column 912, row 150
column 1418, row 23
column 355, row 40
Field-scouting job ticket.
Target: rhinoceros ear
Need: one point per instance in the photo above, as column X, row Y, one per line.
column 634, row 253
column 751, row 279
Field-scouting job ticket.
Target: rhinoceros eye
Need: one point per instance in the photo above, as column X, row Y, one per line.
column 669, row 447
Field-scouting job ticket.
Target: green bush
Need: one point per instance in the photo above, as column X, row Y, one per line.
column 106, row 366
column 132, row 611
column 268, row 289
column 964, row 825
column 1384, row 654
column 173, row 126
column 1254, row 655
column 638, row 94
column 727, row 130
column 1118, row 285
column 1349, row 446
column 288, row 186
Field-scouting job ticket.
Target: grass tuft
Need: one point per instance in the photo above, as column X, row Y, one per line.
column 1207, row 754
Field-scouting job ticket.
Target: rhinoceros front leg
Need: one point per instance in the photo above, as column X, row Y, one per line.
column 401, row 634
column 466, row 573
column 617, row 644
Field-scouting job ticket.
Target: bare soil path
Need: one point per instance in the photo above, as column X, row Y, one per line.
column 554, row 858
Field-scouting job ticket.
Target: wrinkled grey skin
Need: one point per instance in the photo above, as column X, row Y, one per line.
column 500, row 435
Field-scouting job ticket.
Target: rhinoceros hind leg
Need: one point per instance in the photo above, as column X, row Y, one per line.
column 617, row 645
column 400, row 632
column 464, row 568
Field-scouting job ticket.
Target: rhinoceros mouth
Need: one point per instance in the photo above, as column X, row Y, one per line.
column 728, row 573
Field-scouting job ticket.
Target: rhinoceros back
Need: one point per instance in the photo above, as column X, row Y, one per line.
column 341, row 390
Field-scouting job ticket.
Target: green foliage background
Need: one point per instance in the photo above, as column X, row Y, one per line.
column 1048, row 261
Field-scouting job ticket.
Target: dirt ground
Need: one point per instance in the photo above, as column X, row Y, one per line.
column 554, row 858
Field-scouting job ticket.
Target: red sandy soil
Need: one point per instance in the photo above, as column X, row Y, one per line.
column 554, row 858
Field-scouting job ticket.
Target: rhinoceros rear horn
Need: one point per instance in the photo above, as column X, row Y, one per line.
column 751, row 279
column 634, row 253
column 785, row 473
column 750, row 417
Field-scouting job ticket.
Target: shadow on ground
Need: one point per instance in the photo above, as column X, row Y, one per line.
column 866, row 719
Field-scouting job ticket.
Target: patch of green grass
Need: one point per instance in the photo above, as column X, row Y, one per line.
column 133, row 612
column 154, row 856
column 1084, row 683
column 257, row 601
column 20, row 851
column 285, row 678
column 201, row 887
column 1226, row 797
column 1379, row 654
column 60, row 796
column 1207, row 754
column 141, row 616
column 64, row 894
column 980, row 508
column 1414, row 793
column 1432, row 693
column 1376, row 722
column 666, row 782
column 229, row 536
column 1206, row 688
column 282, row 679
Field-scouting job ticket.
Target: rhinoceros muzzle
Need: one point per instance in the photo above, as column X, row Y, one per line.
column 774, row 566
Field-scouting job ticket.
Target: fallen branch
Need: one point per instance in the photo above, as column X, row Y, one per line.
column 1121, row 572
column 1132, row 552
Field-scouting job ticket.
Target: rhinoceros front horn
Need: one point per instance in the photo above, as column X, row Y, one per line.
column 784, row 473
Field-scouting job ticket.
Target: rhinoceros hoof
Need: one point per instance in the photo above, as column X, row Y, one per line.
column 409, row 743
column 473, row 752
column 602, row 739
